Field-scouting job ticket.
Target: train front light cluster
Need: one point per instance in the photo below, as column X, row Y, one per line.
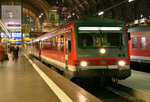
column 121, row 63
column 83, row 63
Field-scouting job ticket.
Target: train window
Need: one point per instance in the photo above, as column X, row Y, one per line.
column 48, row 44
column 44, row 43
column 56, row 43
column 41, row 44
column 134, row 43
column 51, row 43
column 69, row 45
column 62, row 43
column 149, row 42
column 37, row 45
column 68, row 39
column 100, row 38
column 143, row 43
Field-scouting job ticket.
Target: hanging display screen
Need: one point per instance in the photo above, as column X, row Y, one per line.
column 14, row 35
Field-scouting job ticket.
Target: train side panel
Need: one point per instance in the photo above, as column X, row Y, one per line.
column 140, row 45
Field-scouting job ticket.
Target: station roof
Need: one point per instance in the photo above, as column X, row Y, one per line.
column 118, row 9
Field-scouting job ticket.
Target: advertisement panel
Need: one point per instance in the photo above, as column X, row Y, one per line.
column 11, row 17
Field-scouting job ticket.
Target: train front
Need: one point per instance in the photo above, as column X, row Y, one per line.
column 102, row 50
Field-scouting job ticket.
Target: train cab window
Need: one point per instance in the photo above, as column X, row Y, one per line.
column 86, row 40
column 143, row 43
column 62, row 43
column 96, row 38
column 134, row 43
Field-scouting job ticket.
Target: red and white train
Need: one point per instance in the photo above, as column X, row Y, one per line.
column 85, row 48
column 140, row 44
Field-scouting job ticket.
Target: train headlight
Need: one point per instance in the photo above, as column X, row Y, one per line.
column 121, row 63
column 83, row 64
column 102, row 51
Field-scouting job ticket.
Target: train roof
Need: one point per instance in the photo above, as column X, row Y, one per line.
column 98, row 20
column 139, row 29
column 86, row 21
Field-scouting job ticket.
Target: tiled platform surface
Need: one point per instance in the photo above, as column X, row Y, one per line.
column 19, row 82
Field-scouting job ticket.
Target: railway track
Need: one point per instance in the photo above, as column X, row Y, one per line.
column 112, row 94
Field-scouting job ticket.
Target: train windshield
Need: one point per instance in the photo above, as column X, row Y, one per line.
column 93, row 37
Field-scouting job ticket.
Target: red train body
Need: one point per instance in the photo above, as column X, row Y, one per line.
column 140, row 44
column 64, row 49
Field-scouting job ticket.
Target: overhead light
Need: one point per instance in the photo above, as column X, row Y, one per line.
column 100, row 13
column 73, row 14
column 11, row 16
column 130, row 0
column 136, row 21
column 142, row 20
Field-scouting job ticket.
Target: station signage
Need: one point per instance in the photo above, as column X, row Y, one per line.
column 12, row 34
column 11, row 16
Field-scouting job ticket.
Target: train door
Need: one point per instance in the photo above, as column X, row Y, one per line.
column 67, row 47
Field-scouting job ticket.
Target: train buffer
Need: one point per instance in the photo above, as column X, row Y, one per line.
column 28, row 80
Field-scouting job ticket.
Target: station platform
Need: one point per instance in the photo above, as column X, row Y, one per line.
column 27, row 80
column 138, row 85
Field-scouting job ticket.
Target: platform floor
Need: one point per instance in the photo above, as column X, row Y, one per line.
column 28, row 80
column 138, row 80
column 139, row 85
column 19, row 82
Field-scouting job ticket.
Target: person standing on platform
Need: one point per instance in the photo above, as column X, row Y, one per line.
column 2, row 52
column 15, row 52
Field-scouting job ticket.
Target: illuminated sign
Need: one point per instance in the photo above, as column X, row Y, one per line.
column 14, row 35
column 17, row 42
column 4, row 35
